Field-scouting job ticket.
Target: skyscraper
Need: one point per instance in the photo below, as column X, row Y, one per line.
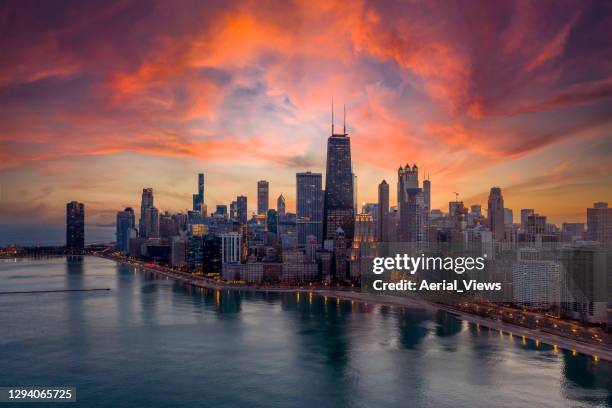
column 536, row 225
column 75, row 226
column 339, row 210
column 411, row 205
column 281, row 206
column 145, row 202
column 309, row 211
column 495, row 213
column 599, row 223
column 151, row 223
column 125, row 229
column 272, row 221
column 233, row 211
column 231, row 247
column 263, row 196
column 241, row 209
column 508, row 216
column 382, row 233
column 427, row 194
column 198, row 199
column 525, row 212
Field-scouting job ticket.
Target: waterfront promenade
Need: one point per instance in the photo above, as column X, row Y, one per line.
column 597, row 351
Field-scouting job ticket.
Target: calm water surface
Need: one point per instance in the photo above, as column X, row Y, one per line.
column 154, row 342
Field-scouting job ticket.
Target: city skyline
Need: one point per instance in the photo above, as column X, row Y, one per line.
column 94, row 114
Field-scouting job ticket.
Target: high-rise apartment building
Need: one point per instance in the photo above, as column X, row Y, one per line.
column 75, row 226
column 495, row 213
column 231, row 247
column 125, row 229
column 309, row 206
column 599, row 223
column 198, row 199
column 145, row 202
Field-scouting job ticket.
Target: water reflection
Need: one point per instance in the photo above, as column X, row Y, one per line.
column 287, row 344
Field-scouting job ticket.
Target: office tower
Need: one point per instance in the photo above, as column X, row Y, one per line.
column 198, row 199
column 272, row 221
column 145, row 202
column 495, row 213
column 309, row 206
column 150, row 223
column 280, row 206
column 263, row 196
column 536, row 225
column 508, row 216
column 382, row 233
column 585, row 289
column 525, row 212
column 178, row 252
column 572, row 230
column 211, row 254
column 599, row 223
column 474, row 215
column 339, row 205
column 536, row 283
column 458, row 214
column 454, row 208
column 427, row 194
column 364, row 229
column 411, row 205
column 125, row 226
column 241, row 209
column 167, row 228
column 231, row 247
column 75, row 227
column 221, row 211
column 476, row 210
column 233, row 211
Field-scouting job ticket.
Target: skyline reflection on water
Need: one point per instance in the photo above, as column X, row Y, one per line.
column 155, row 342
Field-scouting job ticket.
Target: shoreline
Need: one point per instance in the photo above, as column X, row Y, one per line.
column 594, row 351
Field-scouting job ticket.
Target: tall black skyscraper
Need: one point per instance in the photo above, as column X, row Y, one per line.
column 309, row 211
column 241, row 209
column 263, row 196
column 339, row 208
column 75, row 226
column 198, row 199
column 382, row 227
column 495, row 213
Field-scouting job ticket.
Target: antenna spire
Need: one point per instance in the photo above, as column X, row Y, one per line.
column 344, row 106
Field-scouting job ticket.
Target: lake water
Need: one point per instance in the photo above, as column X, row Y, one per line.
column 154, row 342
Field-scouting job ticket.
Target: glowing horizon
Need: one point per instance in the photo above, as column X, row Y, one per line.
column 100, row 101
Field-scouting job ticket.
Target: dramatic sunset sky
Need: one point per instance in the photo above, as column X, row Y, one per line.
column 101, row 99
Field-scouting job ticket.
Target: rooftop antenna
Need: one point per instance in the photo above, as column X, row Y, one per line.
column 456, row 197
column 344, row 118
